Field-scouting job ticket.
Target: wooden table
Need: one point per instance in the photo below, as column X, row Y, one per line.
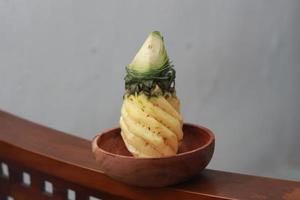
column 65, row 164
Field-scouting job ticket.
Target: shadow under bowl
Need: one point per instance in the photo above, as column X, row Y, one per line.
column 116, row 161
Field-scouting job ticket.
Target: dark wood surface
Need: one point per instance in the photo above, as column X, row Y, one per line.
column 66, row 158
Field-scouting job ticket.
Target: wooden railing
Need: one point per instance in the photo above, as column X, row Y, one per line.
column 43, row 163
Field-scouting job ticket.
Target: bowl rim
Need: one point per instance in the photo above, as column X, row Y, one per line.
column 95, row 146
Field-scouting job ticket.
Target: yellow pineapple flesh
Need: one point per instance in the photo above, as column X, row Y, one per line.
column 151, row 123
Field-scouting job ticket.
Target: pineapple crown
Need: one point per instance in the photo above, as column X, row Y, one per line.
column 150, row 72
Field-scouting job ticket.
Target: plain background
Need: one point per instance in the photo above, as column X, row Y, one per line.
column 238, row 67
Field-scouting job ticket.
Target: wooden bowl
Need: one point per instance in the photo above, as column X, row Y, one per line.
column 117, row 162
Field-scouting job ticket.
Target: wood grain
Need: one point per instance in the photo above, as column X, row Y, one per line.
column 68, row 159
column 114, row 159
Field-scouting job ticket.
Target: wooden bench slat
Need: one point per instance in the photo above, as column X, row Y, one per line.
column 69, row 158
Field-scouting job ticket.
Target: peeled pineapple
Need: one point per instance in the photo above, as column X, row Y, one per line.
column 151, row 124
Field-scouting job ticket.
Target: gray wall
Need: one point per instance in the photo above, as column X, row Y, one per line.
column 238, row 66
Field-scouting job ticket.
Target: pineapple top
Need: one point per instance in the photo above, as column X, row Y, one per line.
column 150, row 71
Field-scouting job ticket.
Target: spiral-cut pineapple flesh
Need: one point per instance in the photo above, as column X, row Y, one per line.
column 151, row 126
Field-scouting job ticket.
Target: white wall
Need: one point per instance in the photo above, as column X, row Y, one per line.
column 238, row 67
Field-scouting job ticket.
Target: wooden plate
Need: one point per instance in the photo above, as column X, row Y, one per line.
column 115, row 160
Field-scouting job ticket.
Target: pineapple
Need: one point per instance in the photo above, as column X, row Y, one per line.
column 151, row 124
